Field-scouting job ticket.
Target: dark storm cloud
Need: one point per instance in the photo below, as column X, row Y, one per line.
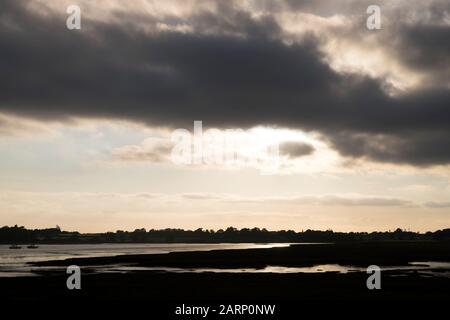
column 426, row 48
column 232, row 71
column 118, row 71
column 408, row 147
column 296, row 149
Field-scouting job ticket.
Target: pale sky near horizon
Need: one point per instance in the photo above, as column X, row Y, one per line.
column 361, row 116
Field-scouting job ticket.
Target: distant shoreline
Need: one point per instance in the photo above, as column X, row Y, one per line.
column 21, row 235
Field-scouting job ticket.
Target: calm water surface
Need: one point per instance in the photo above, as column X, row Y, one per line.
column 14, row 262
column 426, row 269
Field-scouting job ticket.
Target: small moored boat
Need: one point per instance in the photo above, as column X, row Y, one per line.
column 32, row 246
column 15, row 246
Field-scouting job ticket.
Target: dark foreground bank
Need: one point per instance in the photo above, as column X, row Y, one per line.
column 164, row 291
column 189, row 287
column 391, row 253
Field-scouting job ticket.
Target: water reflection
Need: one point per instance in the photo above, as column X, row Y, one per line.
column 14, row 263
column 430, row 268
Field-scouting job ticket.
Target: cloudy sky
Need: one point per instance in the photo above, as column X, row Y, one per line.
column 361, row 117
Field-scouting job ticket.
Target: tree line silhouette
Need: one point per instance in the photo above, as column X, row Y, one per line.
column 19, row 234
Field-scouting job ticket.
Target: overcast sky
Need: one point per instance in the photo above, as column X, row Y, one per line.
column 362, row 117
